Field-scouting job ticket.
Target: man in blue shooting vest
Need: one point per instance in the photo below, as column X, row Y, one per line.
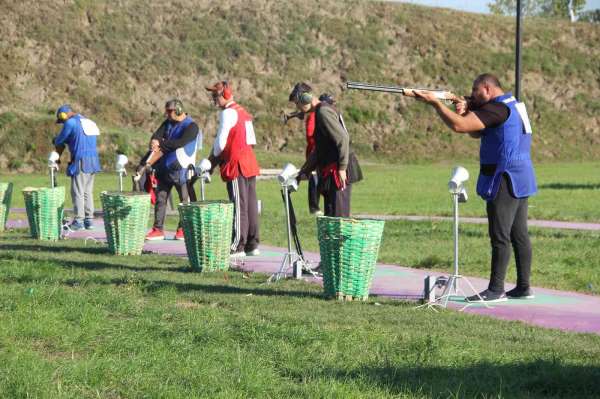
column 172, row 156
column 79, row 133
column 506, row 176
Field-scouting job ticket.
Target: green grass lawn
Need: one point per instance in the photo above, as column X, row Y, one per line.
column 77, row 322
column 567, row 191
column 563, row 259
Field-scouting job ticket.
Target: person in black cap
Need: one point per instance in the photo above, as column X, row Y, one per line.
column 79, row 133
column 336, row 165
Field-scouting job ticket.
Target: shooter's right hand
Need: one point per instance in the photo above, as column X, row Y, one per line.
column 462, row 108
column 301, row 176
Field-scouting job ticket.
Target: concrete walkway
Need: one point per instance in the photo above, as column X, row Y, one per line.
column 552, row 224
column 567, row 311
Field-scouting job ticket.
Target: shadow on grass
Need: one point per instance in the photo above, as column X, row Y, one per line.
column 89, row 264
column 148, row 285
column 53, row 247
column 536, row 379
column 570, row 186
column 153, row 286
column 431, row 262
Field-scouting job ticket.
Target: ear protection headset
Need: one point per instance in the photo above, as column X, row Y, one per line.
column 62, row 116
column 226, row 90
column 305, row 98
column 177, row 106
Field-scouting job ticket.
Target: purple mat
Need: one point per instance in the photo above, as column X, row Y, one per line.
column 567, row 311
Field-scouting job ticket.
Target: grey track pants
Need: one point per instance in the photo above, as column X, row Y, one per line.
column 82, row 195
column 242, row 192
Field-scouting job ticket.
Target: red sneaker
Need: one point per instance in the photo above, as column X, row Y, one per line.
column 179, row 234
column 155, row 234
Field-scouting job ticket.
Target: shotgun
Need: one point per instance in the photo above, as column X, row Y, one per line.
column 405, row 91
column 147, row 162
column 286, row 117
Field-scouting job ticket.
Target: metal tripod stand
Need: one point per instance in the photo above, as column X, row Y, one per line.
column 121, row 174
column 294, row 258
column 451, row 286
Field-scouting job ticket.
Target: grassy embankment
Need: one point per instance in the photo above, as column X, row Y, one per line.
column 118, row 64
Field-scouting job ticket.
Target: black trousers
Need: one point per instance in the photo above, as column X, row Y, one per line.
column 313, row 194
column 507, row 223
column 242, row 192
column 337, row 202
column 166, row 181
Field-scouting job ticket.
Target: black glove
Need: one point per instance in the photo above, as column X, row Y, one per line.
column 141, row 169
column 302, row 175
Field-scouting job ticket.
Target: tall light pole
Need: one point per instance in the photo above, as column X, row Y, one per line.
column 518, row 53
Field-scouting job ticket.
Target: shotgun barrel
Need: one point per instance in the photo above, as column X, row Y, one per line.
column 405, row 91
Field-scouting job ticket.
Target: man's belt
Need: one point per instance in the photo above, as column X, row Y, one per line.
column 487, row 169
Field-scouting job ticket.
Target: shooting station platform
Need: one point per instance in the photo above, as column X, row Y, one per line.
column 568, row 311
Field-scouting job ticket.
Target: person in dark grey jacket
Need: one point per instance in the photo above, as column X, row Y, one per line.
column 333, row 159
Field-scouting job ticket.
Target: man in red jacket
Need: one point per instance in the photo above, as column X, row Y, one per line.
column 332, row 157
column 313, row 192
column 233, row 152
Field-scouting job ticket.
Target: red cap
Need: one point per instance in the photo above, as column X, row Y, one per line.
column 221, row 88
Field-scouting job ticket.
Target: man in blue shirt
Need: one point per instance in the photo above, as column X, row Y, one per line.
column 79, row 133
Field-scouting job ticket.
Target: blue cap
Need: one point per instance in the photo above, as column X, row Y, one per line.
column 63, row 109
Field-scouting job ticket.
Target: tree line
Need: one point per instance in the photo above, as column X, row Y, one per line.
column 571, row 9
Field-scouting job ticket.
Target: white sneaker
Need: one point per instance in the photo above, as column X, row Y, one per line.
column 239, row 254
column 254, row 252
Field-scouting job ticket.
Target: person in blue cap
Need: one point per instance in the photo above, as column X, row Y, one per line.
column 79, row 133
column 506, row 176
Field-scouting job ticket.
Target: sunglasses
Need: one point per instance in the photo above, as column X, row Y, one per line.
column 168, row 111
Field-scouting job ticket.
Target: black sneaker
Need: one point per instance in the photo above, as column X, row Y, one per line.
column 76, row 226
column 312, row 270
column 88, row 224
column 487, row 296
column 520, row 293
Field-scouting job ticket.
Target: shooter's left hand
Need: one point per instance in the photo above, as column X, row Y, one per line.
column 343, row 178
column 426, row 96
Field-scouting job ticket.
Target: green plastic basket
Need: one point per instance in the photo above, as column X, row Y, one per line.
column 45, row 207
column 5, row 197
column 349, row 249
column 126, row 217
column 207, row 227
